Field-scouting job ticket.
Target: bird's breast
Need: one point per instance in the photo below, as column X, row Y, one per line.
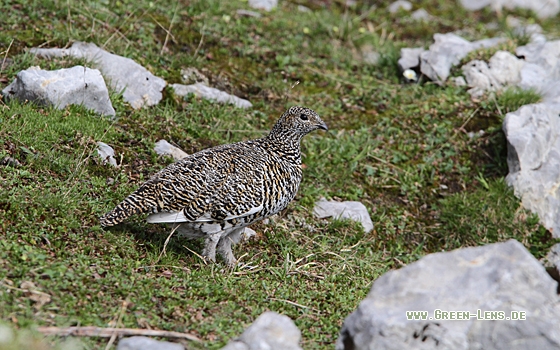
column 281, row 187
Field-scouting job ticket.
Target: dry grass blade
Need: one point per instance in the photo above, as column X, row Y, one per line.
column 168, row 31
column 294, row 304
column 5, row 56
column 195, row 253
column 166, row 243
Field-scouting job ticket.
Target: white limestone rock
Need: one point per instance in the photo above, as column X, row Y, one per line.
column 77, row 85
column 542, row 69
column 503, row 70
column 410, row 58
column 421, row 15
column 543, row 8
column 165, row 148
column 209, row 93
column 107, row 153
column 270, row 331
column 267, row 5
column 248, row 13
column 145, row 343
column 497, row 277
column 533, row 136
column 141, row 88
column 447, row 51
column 400, row 4
column 6, row 335
column 553, row 258
column 355, row 211
column 459, row 81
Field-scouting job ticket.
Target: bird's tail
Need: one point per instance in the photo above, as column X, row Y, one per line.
column 143, row 200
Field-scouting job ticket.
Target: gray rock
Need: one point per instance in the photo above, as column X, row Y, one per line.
column 302, row 8
column 543, row 8
column 107, row 153
column 400, row 4
column 532, row 76
column 447, row 51
column 355, row 211
column 546, row 55
column 552, row 262
column 410, row 58
column 267, row 5
column 538, row 69
column 503, row 70
column 141, row 88
column 6, row 335
column 553, row 255
column 537, row 38
column 145, row 343
column 542, row 70
column 270, row 331
column 248, row 13
column 533, row 159
column 542, row 81
column 533, row 135
column 520, row 28
column 165, row 148
column 77, row 85
column 459, row 81
column 479, row 78
column 421, row 15
column 209, row 93
column 497, row 277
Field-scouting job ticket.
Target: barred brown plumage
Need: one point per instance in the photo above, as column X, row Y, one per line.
column 217, row 192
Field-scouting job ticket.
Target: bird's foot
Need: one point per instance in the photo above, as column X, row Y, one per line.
column 209, row 259
column 232, row 262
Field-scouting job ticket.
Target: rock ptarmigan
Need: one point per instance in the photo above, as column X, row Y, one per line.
column 215, row 193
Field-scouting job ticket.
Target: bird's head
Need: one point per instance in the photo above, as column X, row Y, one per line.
column 299, row 120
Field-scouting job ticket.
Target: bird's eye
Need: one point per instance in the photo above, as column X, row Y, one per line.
column 303, row 116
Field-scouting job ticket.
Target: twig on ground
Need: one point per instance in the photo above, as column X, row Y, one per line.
column 90, row 331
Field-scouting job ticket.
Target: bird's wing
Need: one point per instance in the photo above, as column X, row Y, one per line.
column 179, row 216
column 204, row 191
column 167, row 217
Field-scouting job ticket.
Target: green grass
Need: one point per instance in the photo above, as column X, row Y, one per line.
column 402, row 150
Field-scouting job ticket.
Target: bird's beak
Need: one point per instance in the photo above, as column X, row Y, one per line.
column 323, row 126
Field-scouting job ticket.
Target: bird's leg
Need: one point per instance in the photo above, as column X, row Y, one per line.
column 224, row 246
column 210, row 242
